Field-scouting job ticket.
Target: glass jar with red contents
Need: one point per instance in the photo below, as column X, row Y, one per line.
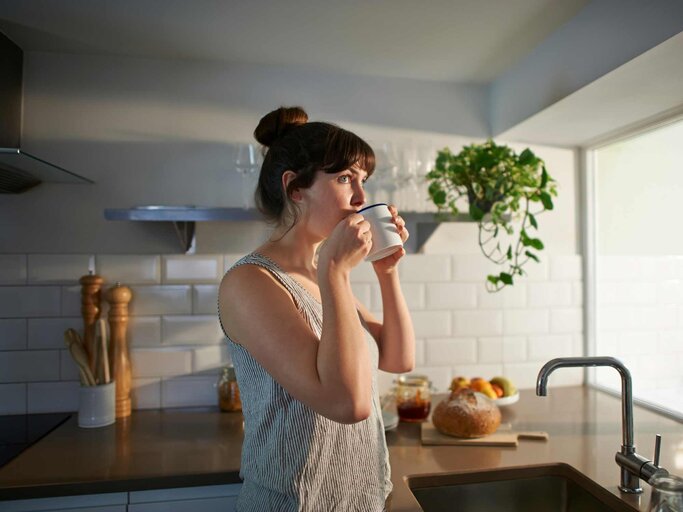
column 413, row 397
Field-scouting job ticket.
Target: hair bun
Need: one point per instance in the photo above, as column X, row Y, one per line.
column 275, row 124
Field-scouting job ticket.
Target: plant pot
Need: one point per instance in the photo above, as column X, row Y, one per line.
column 484, row 205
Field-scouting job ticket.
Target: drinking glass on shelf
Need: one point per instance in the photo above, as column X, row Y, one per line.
column 248, row 161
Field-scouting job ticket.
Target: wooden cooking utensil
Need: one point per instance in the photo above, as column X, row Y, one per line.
column 91, row 286
column 79, row 355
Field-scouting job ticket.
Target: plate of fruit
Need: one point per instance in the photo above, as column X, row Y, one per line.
column 499, row 389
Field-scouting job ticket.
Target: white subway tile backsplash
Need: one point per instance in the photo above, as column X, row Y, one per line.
column 616, row 268
column 188, row 391
column 161, row 300
column 472, row 268
column 53, row 397
column 626, row 293
column 13, row 269
column 639, row 343
column 160, row 362
column 68, row 370
column 211, row 358
column 526, row 321
column 29, row 301
column 501, row 349
column 13, row 398
column 363, row 292
column 431, row 324
column 205, row 299
column 424, row 268
column 193, row 330
column 549, row 294
column 536, row 271
column 485, row 371
column 510, row 297
column 566, row 320
column 144, row 331
column 13, row 334
column 670, row 291
column 544, row 348
column 577, row 294
column 477, row 323
column 146, row 393
column 29, row 365
column 204, row 268
column 45, row 333
column 364, row 273
column 670, row 342
column 57, row 268
column 451, row 351
column 129, row 269
column 71, row 300
column 451, row 296
column 566, row 267
column 440, row 376
column 420, row 352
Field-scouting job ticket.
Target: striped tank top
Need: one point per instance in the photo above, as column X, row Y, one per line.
column 294, row 459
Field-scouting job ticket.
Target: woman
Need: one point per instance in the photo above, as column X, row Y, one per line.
column 307, row 372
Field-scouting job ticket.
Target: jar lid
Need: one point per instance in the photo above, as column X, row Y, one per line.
column 413, row 380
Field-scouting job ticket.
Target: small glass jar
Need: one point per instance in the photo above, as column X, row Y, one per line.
column 413, row 398
column 667, row 493
column 228, row 392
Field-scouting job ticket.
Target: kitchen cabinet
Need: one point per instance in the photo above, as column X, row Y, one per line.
column 209, row 498
column 109, row 502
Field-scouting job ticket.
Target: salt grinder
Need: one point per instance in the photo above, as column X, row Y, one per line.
column 91, row 292
column 118, row 298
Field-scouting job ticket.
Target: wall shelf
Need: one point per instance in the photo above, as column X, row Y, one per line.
column 421, row 224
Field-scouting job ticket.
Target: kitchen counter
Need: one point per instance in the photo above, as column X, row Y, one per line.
column 201, row 446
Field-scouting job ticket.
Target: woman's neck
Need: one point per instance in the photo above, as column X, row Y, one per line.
column 295, row 250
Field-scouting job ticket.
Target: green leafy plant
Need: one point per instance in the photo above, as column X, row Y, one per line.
column 506, row 192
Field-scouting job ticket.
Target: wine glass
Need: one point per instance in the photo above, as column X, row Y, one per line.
column 386, row 172
column 248, row 163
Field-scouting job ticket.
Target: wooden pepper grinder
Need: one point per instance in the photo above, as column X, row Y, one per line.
column 91, row 292
column 118, row 298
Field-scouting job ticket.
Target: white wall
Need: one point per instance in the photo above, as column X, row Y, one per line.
column 153, row 131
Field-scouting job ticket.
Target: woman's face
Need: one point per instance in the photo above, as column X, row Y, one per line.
column 333, row 197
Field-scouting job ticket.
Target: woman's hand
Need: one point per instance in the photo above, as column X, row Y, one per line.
column 389, row 263
column 347, row 245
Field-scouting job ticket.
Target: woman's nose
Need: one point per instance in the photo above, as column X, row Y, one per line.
column 358, row 198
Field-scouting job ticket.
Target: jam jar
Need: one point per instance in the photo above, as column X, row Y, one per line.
column 413, row 397
column 228, row 392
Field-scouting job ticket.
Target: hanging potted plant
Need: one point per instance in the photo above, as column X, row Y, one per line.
column 506, row 192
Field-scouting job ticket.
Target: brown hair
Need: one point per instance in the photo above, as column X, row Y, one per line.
column 296, row 145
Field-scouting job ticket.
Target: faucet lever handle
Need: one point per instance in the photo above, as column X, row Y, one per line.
column 658, row 445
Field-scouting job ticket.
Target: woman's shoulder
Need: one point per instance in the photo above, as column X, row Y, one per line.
column 249, row 276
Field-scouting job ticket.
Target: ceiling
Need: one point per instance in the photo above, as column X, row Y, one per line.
column 465, row 41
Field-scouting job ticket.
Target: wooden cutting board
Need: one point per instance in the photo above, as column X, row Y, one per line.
column 431, row 436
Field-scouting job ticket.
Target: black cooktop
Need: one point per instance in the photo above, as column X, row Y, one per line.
column 19, row 431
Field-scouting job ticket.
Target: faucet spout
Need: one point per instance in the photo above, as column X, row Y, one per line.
column 629, row 461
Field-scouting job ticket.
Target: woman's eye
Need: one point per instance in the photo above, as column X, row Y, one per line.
column 344, row 179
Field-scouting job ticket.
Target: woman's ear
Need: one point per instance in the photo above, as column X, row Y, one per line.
column 287, row 178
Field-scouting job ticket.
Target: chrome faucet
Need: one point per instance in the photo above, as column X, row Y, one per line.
column 633, row 466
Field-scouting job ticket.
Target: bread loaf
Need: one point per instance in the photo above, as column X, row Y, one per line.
column 466, row 414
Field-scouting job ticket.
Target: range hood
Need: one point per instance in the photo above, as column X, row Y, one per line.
column 19, row 170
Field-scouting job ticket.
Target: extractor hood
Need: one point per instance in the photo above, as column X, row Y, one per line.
column 19, row 170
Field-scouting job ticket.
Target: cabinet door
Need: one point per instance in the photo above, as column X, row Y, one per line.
column 210, row 498
column 110, row 502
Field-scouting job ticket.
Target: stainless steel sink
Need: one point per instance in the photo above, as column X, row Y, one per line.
column 543, row 488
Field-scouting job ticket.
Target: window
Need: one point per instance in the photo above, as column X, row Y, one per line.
column 635, row 251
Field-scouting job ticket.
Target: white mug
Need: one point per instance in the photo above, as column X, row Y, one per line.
column 385, row 237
